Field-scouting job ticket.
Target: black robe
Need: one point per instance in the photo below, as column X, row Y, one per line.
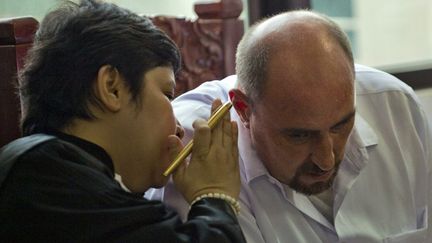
column 62, row 189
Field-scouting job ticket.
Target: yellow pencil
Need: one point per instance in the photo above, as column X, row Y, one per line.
column 214, row 119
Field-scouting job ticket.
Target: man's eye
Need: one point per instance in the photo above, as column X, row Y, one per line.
column 338, row 127
column 299, row 137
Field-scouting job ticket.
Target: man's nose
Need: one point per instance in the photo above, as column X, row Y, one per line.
column 179, row 130
column 323, row 154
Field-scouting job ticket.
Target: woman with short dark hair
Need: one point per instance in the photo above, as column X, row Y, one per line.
column 100, row 130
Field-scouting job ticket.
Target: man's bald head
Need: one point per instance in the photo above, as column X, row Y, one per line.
column 302, row 31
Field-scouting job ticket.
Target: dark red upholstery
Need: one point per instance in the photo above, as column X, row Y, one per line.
column 207, row 45
column 16, row 36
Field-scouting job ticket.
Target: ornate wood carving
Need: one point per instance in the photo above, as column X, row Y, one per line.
column 207, row 44
column 201, row 49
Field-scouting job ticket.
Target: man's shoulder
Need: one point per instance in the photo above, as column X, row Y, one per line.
column 196, row 103
column 214, row 88
column 372, row 81
column 226, row 83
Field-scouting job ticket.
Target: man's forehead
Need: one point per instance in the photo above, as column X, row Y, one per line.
column 304, row 113
column 311, row 101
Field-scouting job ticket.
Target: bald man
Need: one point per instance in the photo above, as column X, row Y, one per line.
column 330, row 151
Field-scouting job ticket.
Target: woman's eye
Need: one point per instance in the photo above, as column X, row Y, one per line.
column 169, row 96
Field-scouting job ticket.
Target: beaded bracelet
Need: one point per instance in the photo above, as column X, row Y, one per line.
column 235, row 205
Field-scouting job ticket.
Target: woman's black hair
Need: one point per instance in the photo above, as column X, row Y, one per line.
column 70, row 46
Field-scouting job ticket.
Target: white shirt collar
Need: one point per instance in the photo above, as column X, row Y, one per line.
column 365, row 133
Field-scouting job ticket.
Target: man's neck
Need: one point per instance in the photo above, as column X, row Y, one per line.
column 323, row 202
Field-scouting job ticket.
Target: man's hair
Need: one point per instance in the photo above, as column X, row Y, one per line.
column 70, row 46
column 253, row 55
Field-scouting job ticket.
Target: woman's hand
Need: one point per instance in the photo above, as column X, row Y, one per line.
column 213, row 167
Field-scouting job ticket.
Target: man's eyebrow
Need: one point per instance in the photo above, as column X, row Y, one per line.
column 345, row 119
column 298, row 130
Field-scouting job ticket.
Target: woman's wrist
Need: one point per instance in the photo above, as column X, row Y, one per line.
column 234, row 203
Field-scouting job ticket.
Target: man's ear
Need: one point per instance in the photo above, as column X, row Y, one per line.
column 241, row 104
column 109, row 88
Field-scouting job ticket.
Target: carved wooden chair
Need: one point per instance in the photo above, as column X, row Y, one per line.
column 16, row 36
column 207, row 45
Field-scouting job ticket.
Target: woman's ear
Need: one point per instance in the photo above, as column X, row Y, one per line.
column 109, row 88
column 241, row 104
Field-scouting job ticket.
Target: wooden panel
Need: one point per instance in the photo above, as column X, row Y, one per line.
column 16, row 36
column 9, row 103
column 259, row 9
column 418, row 79
column 17, row 30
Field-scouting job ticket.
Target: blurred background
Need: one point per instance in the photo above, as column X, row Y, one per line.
column 391, row 35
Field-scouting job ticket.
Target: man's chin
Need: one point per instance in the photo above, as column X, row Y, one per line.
column 311, row 184
column 313, row 188
column 316, row 188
